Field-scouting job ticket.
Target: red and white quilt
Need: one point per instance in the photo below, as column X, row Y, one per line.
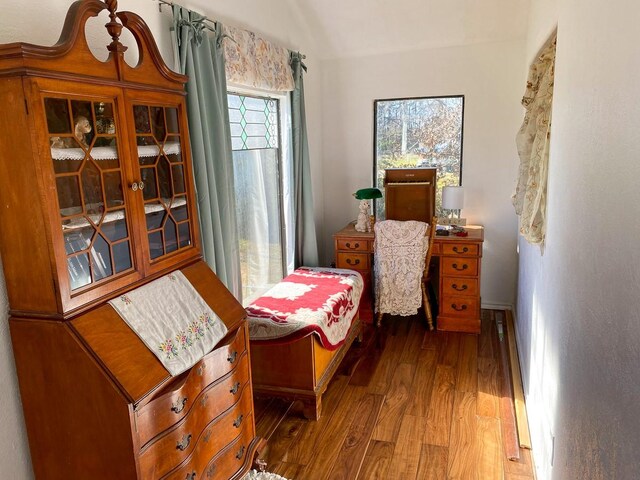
column 323, row 301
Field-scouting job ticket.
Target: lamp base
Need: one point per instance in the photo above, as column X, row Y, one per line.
column 452, row 221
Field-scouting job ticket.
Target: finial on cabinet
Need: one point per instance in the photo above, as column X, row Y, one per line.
column 114, row 27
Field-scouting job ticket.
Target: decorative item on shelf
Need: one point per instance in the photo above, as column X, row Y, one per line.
column 453, row 201
column 81, row 129
column 364, row 222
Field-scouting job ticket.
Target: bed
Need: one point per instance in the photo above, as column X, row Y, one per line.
column 300, row 331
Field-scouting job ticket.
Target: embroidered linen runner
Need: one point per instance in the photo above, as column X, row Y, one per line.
column 172, row 320
column 400, row 250
column 319, row 300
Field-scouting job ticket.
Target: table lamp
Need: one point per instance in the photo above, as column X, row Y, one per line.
column 363, row 224
column 453, row 200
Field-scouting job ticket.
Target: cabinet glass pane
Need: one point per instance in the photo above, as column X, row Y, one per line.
column 163, row 173
column 79, row 272
column 101, row 258
column 121, row 256
column 172, row 120
column 57, row 112
column 89, row 181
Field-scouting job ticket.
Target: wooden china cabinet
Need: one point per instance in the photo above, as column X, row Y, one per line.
column 96, row 199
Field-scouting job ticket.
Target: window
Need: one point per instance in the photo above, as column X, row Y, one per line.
column 259, row 170
column 419, row 132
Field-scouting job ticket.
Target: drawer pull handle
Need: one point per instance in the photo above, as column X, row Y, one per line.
column 201, row 369
column 211, row 470
column 190, row 476
column 238, row 421
column 457, row 308
column 232, row 358
column 183, row 444
column 240, row 453
column 235, row 388
column 460, row 289
column 464, row 250
column 357, row 245
column 179, row 405
column 207, row 435
column 203, row 400
column 356, row 262
column 463, row 267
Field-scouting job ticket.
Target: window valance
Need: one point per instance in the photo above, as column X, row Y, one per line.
column 530, row 197
column 253, row 62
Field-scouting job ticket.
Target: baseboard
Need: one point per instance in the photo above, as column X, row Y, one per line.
column 497, row 306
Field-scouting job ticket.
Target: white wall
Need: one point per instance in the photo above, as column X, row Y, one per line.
column 491, row 77
column 30, row 21
column 578, row 315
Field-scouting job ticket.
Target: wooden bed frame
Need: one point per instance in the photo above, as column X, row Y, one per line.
column 300, row 370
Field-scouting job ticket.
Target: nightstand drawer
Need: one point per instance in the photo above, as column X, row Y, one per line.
column 456, row 266
column 460, row 286
column 466, row 249
column 460, row 306
column 355, row 261
column 353, row 244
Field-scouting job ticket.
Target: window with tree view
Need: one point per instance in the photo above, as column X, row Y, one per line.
column 419, row 132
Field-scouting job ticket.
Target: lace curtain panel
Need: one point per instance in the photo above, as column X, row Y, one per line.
column 253, row 62
column 530, row 197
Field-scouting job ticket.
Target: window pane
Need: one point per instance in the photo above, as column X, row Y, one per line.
column 420, row 132
column 254, row 122
column 258, row 211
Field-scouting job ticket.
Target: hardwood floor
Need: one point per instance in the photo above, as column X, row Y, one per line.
column 405, row 404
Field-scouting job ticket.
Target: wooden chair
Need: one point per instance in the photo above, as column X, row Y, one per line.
column 426, row 277
column 431, row 235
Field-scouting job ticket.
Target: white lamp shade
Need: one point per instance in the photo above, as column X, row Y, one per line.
column 452, row 198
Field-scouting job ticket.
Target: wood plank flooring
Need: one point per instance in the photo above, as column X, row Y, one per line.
column 405, row 404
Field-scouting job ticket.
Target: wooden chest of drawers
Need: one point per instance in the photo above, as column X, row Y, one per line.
column 354, row 250
column 459, row 306
column 105, row 407
column 459, row 261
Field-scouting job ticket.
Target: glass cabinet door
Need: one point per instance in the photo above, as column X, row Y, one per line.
column 163, row 179
column 83, row 138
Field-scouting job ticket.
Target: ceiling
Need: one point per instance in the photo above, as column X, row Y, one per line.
column 350, row 28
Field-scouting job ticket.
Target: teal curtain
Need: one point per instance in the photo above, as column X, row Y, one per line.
column 306, row 244
column 199, row 55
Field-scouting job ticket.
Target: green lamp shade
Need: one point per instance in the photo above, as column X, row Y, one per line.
column 368, row 193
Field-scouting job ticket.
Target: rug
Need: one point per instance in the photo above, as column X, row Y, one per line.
column 255, row 475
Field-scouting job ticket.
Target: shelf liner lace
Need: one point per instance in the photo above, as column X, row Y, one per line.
column 111, row 152
column 172, row 320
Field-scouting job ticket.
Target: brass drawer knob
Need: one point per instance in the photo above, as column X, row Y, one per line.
column 356, row 245
column 203, row 400
column 235, row 388
column 355, row 262
column 183, row 444
column 207, row 435
column 201, row 369
column 238, row 421
column 240, row 453
column 211, row 470
column 179, row 405
column 190, row 476
column 464, row 250
column 461, row 268
column 232, row 358
column 457, row 308
column 461, row 288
